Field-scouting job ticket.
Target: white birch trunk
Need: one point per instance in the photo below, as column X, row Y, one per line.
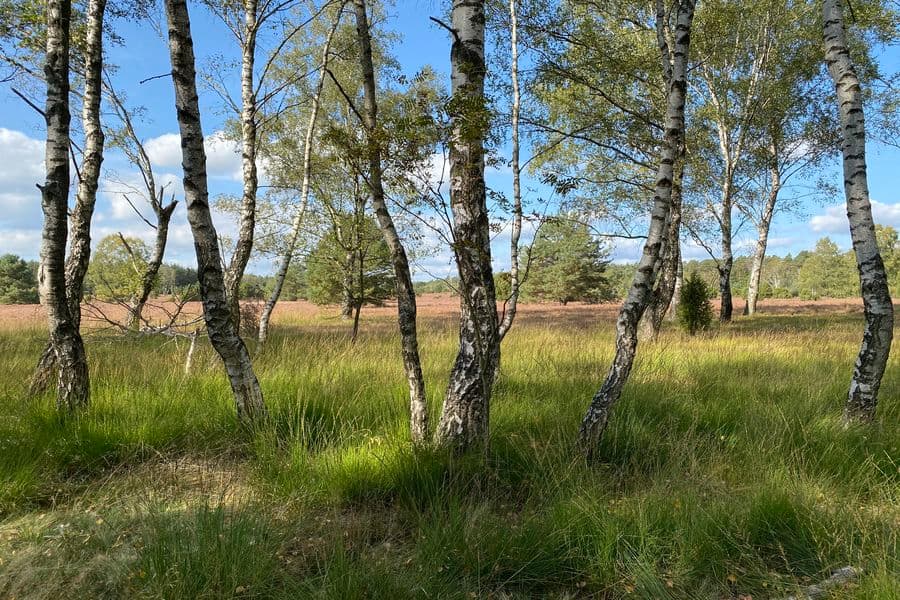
column 406, row 295
column 297, row 221
column 675, row 61
column 216, row 310
column 465, row 415
column 879, row 311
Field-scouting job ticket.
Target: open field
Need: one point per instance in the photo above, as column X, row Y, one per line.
column 725, row 473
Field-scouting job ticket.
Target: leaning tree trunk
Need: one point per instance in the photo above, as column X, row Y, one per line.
column 163, row 217
column 73, row 387
column 216, row 311
column 465, row 416
column 86, row 195
column 509, row 307
column 762, row 241
column 879, row 311
column 675, row 61
column 249, row 151
column 297, row 221
column 651, row 322
column 406, row 295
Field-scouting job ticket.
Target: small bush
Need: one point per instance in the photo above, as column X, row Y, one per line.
column 695, row 313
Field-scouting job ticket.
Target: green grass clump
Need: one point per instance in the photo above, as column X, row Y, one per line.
column 725, row 471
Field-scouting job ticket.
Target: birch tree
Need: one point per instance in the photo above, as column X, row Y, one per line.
column 465, row 415
column 76, row 263
column 879, row 311
column 73, row 386
column 216, row 308
column 674, row 25
column 511, row 302
column 300, row 212
column 406, row 296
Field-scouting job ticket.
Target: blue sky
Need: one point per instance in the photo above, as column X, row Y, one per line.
column 423, row 43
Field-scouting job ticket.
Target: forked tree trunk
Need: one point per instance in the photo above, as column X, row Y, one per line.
column 674, row 61
column 86, row 195
column 249, row 150
column 465, row 416
column 297, row 222
column 216, row 311
column 762, row 240
column 406, row 295
column 73, row 387
column 509, row 307
column 163, row 217
column 879, row 311
column 670, row 260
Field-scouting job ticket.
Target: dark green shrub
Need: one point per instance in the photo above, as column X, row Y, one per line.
column 695, row 313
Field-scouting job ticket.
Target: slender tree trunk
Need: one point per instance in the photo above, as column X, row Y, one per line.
column 406, row 295
column 726, row 264
column 509, row 307
column 879, row 310
column 216, row 311
column 762, row 241
column 163, row 217
column 76, row 265
column 465, row 416
column 672, row 313
column 297, row 221
column 670, row 260
column 674, row 62
column 73, row 388
column 249, row 151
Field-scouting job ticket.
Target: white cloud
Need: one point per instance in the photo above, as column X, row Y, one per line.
column 21, row 167
column 834, row 219
column 223, row 155
column 24, row 242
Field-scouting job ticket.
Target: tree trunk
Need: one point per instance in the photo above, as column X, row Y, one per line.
column 249, row 150
column 297, row 221
column 726, row 307
column 670, row 260
column 465, row 416
column 163, row 217
column 406, row 295
column 86, row 195
column 762, row 240
column 73, row 387
column 510, row 305
column 672, row 313
column 675, row 62
column 216, row 310
column 879, row 311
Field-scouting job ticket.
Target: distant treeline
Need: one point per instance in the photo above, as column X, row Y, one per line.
column 824, row 272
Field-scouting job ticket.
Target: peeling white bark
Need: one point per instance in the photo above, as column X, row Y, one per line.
column 879, row 310
column 73, row 387
column 465, row 415
column 674, row 61
column 216, row 310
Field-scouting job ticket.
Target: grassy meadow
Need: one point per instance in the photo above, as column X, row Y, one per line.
column 725, row 473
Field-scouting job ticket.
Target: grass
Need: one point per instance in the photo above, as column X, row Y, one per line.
column 726, row 472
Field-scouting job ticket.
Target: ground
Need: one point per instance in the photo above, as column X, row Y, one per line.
column 726, row 471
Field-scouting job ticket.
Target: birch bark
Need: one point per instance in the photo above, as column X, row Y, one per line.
column 73, row 386
column 675, row 61
column 216, row 310
column 862, row 398
column 465, row 415
column 406, row 296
